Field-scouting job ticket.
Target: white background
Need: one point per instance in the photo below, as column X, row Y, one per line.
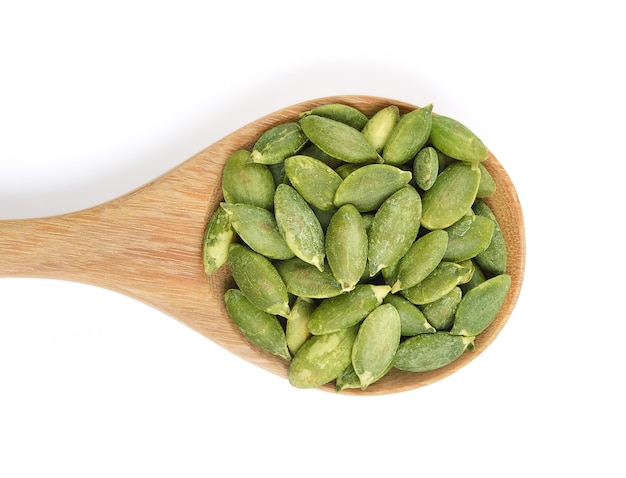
column 97, row 98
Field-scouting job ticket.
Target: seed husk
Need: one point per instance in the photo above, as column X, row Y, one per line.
column 376, row 344
column 339, row 140
column 261, row 328
column 322, row 358
column 278, row 143
column 299, row 226
column 426, row 352
column 480, row 306
column 258, row 279
column 246, row 182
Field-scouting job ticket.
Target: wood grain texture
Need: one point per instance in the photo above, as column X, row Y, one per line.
column 147, row 245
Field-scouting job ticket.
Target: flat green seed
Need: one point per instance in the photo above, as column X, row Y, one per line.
column 258, row 279
column 347, row 379
column 322, row 358
column 248, row 183
column 297, row 327
column 408, row 136
column 480, row 306
column 314, row 152
column 493, row 260
column 487, row 185
column 379, row 126
column 413, row 321
column 445, row 277
column 420, row 260
column 440, row 313
column 346, row 310
column 305, row 280
column 468, row 237
column 451, row 196
column 339, row 112
column 339, row 140
column 478, row 277
column 376, row 344
column 369, row 186
column 346, row 168
column 218, row 236
column 315, row 181
column 278, row 143
column 471, row 268
column 455, row 140
column 426, row 167
column 299, row 226
column 426, row 352
column 346, row 246
column 394, row 229
column 261, row 328
column 257, row 227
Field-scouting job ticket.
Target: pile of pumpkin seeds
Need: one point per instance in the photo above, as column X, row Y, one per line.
column 360, row 244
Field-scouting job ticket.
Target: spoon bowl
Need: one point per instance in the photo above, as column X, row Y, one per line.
column 147, row 245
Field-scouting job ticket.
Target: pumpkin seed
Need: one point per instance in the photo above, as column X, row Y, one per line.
column 412, row 320
column 339, row 140
column 257, row 227
column 368, row 186
column 339, row 112
column 426, row 352
column 305, row 280
column 480, row 306
column 346, row 246
column 394, row 229
column 248, row 183
column 456, row 140
column 315, row 181
column 493, row 259
column 218, row 236
column 322, row 358
column 297, row 327
column 487, row 185
column 440, row 313
column 347, row 379
column 346, row 310
column 426, row 167
column 261, row 328
column 408, row 136
column 451, row 196
column 258, row 279
column 478, row 277
column 299, row 226
column 468, row 237
column 278, row 143
column 376, row 344
column 445, row 277
column 379, row 126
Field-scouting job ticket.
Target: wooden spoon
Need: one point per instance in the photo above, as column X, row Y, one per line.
column 147, row 245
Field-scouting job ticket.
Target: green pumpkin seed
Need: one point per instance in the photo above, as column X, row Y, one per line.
column 339, row 140
column 380, row 125
column 426, row 352
column 257, row 227
column 258, row 279
column 314, row 152
column 299, row 226
column 455, row 140
column 347, row 379
column 440, row 313
column 297, row 327
column 339, row 112
column 369, row 186
column 278, row 143
column 487, row 185
column 493, row 259
column 345, row 169
column 420, row 260
column 426, row 168
column 315, row 181
column 346, row 310
column 450, row 197
column 376, row 344
column 413, row 321
column 248, row 183
column 445, row 277
column 261, row 328
column 471, row 268
column 480, row 305
column 468, row 237
column 346, row 246
column 218, row 236
column 408, row 136
column 478, row 277
column 305, row 280
column 322, row 358
column 394, row 229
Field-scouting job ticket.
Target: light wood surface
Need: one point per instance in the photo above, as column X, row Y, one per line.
column 147, row 245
